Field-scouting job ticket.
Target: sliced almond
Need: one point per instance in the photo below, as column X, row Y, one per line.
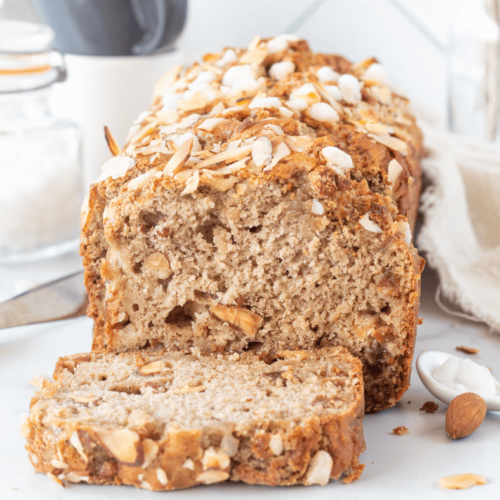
column 238, row 317
column 123, row 444
column 84, row 400
column 166, row 81
column 151, row 368
column 229, row 169
column 180, row 157
column 187, row 390
column 162, row 476
column 279, row 152
column 218, row 183
column 55, row 479
column 298, row 142
column 231, row 155
column 151, row 449
column 144, row 132
column 255, row 56
column 112, row 144
column 461, row 481
column 77, row 445
column 58, row 464
column 254, row 43
column 192, row 183
column 212, row 476
column 391, row 142
column 394, row 171
column 197, row 101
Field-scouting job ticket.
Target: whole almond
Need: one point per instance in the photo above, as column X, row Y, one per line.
column 464, row 415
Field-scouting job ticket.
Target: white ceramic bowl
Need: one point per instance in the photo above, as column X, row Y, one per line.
column 428, row 361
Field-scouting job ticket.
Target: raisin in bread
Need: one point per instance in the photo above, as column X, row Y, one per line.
column 164, row 420
column 265, row 201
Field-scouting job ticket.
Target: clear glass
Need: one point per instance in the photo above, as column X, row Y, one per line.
column 41, row 187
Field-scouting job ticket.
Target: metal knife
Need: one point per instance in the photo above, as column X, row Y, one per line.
column 60, row 299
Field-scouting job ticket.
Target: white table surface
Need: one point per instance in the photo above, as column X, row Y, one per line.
column 396, row 466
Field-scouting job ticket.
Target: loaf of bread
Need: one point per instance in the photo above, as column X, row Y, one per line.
column 266, row 202
column 164, row 420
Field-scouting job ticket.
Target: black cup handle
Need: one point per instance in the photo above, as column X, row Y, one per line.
column 161, row 22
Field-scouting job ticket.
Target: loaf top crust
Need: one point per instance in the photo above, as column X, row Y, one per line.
column 263, row 114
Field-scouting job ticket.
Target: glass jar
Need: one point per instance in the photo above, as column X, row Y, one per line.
column 41, row 187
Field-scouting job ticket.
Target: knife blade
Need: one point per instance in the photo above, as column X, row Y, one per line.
column 63, row 298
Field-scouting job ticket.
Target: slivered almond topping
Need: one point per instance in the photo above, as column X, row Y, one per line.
column 377, row 128
column 59, row 464
column 188, row 464
column 254, row 56
column 212, row 476
column 229, row 169
column 166, row 81
column 294, row 355
column 123, row 444
column 151, row 368
column 254, row 43
column 85, row 400
column 391, row 142
column 162, row 476
column 197, row 101
column 232, row 155
column 319, row 468
column 262, row 151
column 298, row 142
column 238, row 317
column 143, row 132
column 75, row 478
column 55, row 479
column 180, row 157
column 280, row 151
column 112, row 144
column 218, row 183
column 394, row 171
column 151, row 449
column 210, row 123
column 187, row 390
column 192, row 183
column 461, row 481
column 77, row 445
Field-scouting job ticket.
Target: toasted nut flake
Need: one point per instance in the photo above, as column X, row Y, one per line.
column 299, row 142
column 112, row 144
column 192, row 183
column 279, row 152
column 254, row 43
column 276, row 444
column 308, row 91
column 143, row 132
column 229, row 444
column 55, row 479
column 151, row 449
column 77, row 445
column 151, row 368
column 188, row 464
column 255, row 56
column 145, row 485
column 320, row 468
column 238, row 317
column 229, row 169
column 166, row 81
column 461, row 481
column 180, row 157
column 212, row 476
column 394, row 171
column 294, row 355
column 468, row 350
column 211, row 123
column 377, row 128
column 233, row 154
column 391, row 142
column 382, row 94
column 84, row 400
column 162, row 476
column 38, row 380
column 197, row 101
column 215, row 460
column 262, row 151
column 24, row 428
column 75, row 478
column 59, row 464
column 186, row 390
column 240, row 189
column 218, row 183
column 123, row 444
column 142, row 180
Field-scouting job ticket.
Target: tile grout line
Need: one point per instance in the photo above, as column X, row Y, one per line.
column 304, row 16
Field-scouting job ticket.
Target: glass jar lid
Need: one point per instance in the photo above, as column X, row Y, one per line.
column 27, row 61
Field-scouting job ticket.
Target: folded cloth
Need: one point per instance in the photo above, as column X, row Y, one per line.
column 461, row 232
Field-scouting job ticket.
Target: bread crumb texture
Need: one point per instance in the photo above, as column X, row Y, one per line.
column 265, row 201
column 164, row 420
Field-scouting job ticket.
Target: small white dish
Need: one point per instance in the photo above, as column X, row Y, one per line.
column 428, row 361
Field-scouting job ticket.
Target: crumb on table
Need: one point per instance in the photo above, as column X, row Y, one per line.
column 429, row 407
column 401, row 431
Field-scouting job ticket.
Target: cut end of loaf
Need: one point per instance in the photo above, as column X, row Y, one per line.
column 165, row 420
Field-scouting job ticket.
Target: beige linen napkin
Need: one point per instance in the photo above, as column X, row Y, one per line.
column 461, row 232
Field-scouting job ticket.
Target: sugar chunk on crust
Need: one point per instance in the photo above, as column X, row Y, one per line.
column 251, row 420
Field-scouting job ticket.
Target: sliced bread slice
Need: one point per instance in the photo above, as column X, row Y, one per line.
column 164, row 420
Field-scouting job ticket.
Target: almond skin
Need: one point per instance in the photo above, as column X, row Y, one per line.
column 464, row 415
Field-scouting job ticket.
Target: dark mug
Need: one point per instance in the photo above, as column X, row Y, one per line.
column 113, row 27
